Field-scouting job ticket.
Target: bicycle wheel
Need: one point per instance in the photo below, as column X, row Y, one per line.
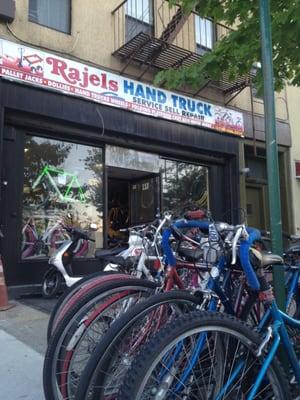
column 116, row 349
column 102, row 306
column 73, row 294
column 202, row 356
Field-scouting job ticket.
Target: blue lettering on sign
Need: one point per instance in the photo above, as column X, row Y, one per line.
column 144, row 92
column 191, row 105
column 139, row 92
column 129, row 87
column 174, row 99
column 150, row 93
column 161, row 97
column 207, row 109
column 200, row 107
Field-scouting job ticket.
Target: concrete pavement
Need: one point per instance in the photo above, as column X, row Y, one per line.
column 20, row 370
column 22, row 348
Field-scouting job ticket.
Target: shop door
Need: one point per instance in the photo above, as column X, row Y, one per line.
column 11, row 206
column 255, row 207
column 144, row 199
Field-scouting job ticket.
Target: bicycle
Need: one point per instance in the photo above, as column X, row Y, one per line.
column 220, row 356
column 35, row 244
column 100, row 372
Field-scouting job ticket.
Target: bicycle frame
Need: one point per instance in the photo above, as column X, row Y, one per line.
column 279, row 332
column 277, row 329
column 64, row 197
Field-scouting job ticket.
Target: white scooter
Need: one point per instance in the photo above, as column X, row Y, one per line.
column 60, row 271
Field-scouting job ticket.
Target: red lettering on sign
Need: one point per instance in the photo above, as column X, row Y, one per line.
column 82, row 78
column 113, row 86
column 95, row 80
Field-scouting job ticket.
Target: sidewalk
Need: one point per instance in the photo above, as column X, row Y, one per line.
column 22, row 348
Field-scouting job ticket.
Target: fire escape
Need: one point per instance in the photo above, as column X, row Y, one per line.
column 160, row 53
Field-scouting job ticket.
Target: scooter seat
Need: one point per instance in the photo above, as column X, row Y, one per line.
column 125, row 263
column 104, row 253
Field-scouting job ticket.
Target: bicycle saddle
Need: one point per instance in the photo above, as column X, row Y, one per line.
column 295, row 248
column 266, row 259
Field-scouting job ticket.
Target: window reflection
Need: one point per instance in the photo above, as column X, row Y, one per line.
column 183, row 184
column 62, row 181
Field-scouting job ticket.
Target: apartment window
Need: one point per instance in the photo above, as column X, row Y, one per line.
column 55, row 14
column 139, row 18
column 204, row 34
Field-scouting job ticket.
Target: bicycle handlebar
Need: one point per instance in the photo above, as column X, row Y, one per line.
column 254, row 234
column 246, row 236
column 180, row 224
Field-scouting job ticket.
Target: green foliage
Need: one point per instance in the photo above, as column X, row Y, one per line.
column 235, row 54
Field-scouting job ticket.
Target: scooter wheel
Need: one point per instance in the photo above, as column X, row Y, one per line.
column 51, row 284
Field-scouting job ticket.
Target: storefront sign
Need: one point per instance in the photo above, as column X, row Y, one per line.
column 36, row 67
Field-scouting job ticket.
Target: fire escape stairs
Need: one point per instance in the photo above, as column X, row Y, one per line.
column 174, row 26
column 162, row 54
column 167, row 37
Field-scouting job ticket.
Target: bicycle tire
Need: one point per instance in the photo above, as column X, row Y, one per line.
column 76, row 315
column 177, row 332
column 104, row 355
column 69, row 298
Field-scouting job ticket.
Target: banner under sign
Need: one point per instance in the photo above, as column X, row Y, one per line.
column 39, row 68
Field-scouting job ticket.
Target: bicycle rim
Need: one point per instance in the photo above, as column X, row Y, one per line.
column 212, row 361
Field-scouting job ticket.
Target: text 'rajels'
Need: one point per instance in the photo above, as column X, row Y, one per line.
column 83, row 78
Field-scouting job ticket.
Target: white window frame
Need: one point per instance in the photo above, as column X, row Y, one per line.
column 204, row 34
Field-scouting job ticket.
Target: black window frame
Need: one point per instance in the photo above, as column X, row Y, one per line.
column 69, row 32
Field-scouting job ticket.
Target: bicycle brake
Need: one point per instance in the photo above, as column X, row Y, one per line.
column 266, row 340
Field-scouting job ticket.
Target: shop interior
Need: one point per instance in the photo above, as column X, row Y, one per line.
column 132, row 199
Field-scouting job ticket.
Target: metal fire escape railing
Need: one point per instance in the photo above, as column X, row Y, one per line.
column 164, row 42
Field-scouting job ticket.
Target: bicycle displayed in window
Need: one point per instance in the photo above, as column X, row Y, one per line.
column 36, row 244
column 64, row 185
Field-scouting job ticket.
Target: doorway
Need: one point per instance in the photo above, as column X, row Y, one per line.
column 256, row 212
column 133, row 198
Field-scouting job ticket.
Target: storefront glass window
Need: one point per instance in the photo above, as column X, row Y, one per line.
column 62, row 182
column 183, row 185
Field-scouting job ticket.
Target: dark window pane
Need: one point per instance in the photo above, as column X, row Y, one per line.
column 54, row 14
column 183, row 184
column 61, row 179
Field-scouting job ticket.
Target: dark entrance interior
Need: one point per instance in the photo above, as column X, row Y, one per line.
column 133, row 198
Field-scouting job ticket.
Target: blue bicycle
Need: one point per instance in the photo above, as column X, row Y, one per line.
column 209, row 355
